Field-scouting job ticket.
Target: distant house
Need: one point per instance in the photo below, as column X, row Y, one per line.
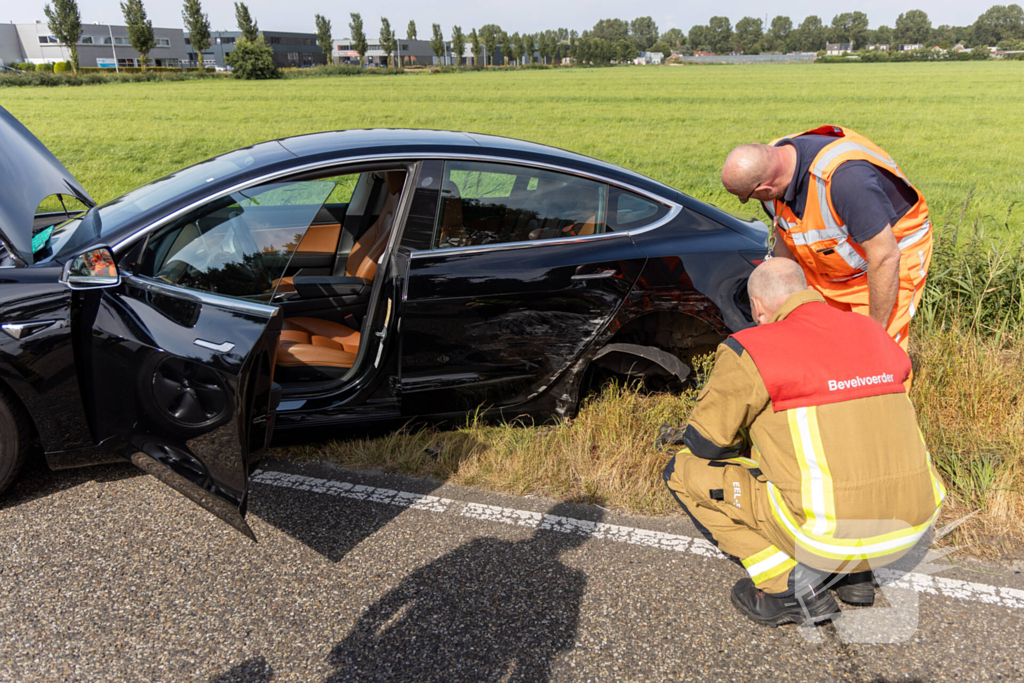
column 838, row 48
column 880, row 47
column 959, row 47
column 649, row 58
column 701, row 53
column 910, row 47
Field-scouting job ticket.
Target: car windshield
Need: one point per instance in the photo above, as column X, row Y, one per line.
column 159, row 191
column 61, row 240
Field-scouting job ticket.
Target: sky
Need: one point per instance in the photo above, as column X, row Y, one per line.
column 519, row 15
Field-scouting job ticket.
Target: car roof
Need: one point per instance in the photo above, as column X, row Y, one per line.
column 383, row 141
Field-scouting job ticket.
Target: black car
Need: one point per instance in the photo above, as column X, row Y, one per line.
column 336, row 279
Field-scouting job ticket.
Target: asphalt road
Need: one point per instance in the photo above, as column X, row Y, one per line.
column 108, row 575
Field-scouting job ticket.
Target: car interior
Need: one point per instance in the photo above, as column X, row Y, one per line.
column 488, row 204
column 311, row 247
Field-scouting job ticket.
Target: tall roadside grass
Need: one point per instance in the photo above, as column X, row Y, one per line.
column 968, row 347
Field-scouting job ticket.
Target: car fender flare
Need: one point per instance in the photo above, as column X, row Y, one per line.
column 668, row 362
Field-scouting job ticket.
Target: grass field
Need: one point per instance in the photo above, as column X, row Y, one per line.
column 951, row 126
column 955, row 128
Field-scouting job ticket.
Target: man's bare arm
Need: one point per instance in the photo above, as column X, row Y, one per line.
column 883, row 256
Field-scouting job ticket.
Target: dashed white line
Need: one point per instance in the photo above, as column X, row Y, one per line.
column 962, row 590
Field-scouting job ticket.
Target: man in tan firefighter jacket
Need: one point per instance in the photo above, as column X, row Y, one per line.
column 843, row 210
column 802, row 457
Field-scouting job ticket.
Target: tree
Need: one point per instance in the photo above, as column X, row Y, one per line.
column 884, row 35
column 720, row 34
column 777, row 38
column 65, row 23
column 323, row 36
column 525, row 47
column 913, row 27
column 643, row 32
column 701, row 38
column 611, row 29
column 512, row 48
column 252, row 60
column 811, row 34
column 490, row 34
column 674, row 37
column 849, row 27
column 246, row 24
column 410, row 30
column 198, row 26
column 387, row 40
column 478, row 48
column 437, row 44
column 662, row 47
column 998, row 23
column 140, row 29
column 355, row 27
column 625, row 51
column 574, row 45
column 458, row 44
column 748, row 35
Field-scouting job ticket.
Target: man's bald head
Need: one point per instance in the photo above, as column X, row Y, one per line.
column 771, row 284
column 745, row 168
column 761, row 172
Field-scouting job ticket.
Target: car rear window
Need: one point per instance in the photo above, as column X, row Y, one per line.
column 628, row 210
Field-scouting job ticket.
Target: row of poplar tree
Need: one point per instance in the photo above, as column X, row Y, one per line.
column 609, row 40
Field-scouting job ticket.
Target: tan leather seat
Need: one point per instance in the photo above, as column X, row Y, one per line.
column 362, row 259
column 313, row 349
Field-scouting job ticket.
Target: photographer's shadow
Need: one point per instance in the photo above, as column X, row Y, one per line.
column 490, row 610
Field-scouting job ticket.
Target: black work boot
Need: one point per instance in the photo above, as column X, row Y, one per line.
column 856, row 589
column 807, row 598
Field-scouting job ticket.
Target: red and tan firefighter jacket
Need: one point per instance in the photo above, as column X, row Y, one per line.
column 840, row 470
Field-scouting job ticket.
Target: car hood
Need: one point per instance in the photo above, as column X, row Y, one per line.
column 28, row 174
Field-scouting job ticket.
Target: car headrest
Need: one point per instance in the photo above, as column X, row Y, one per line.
column 395, row 180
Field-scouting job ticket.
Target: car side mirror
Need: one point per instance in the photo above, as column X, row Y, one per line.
column 95, row 269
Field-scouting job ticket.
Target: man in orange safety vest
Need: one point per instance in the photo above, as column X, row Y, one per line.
column 843, row 210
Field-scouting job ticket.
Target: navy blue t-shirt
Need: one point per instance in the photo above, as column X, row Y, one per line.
column 867, row 198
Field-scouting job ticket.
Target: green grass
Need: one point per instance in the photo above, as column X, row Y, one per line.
column 951, row 126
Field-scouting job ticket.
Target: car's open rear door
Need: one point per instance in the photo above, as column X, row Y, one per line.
column 186, row 378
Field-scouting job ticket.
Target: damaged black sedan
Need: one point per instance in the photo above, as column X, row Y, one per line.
column 336, row 279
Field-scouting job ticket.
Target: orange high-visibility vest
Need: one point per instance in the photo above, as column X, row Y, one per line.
column 820, row 240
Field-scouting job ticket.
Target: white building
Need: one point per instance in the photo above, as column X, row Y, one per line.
column 650, row 58
column 838, row 48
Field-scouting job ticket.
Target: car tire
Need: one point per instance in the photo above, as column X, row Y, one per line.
column 15, row 437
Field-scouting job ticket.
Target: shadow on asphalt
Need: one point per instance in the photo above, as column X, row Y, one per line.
column 255, row 670
column 490, row 610
column 38, row 481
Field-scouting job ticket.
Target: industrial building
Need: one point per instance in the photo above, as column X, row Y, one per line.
column 102, row 45
column 290, row 49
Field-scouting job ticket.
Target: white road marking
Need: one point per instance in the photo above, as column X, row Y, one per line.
column 952, row 588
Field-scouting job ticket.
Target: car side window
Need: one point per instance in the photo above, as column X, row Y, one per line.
column 238, row 245
column 628, row 210
column 487, row 203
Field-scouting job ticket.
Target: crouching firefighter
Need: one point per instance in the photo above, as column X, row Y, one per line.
column 802, row 457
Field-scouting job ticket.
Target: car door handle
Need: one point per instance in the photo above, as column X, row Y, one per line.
column 219, row 348
column 599, row 275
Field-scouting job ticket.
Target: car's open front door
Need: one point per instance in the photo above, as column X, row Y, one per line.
column 187, row 380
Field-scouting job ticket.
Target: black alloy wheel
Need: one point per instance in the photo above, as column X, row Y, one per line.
column 15, row 436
